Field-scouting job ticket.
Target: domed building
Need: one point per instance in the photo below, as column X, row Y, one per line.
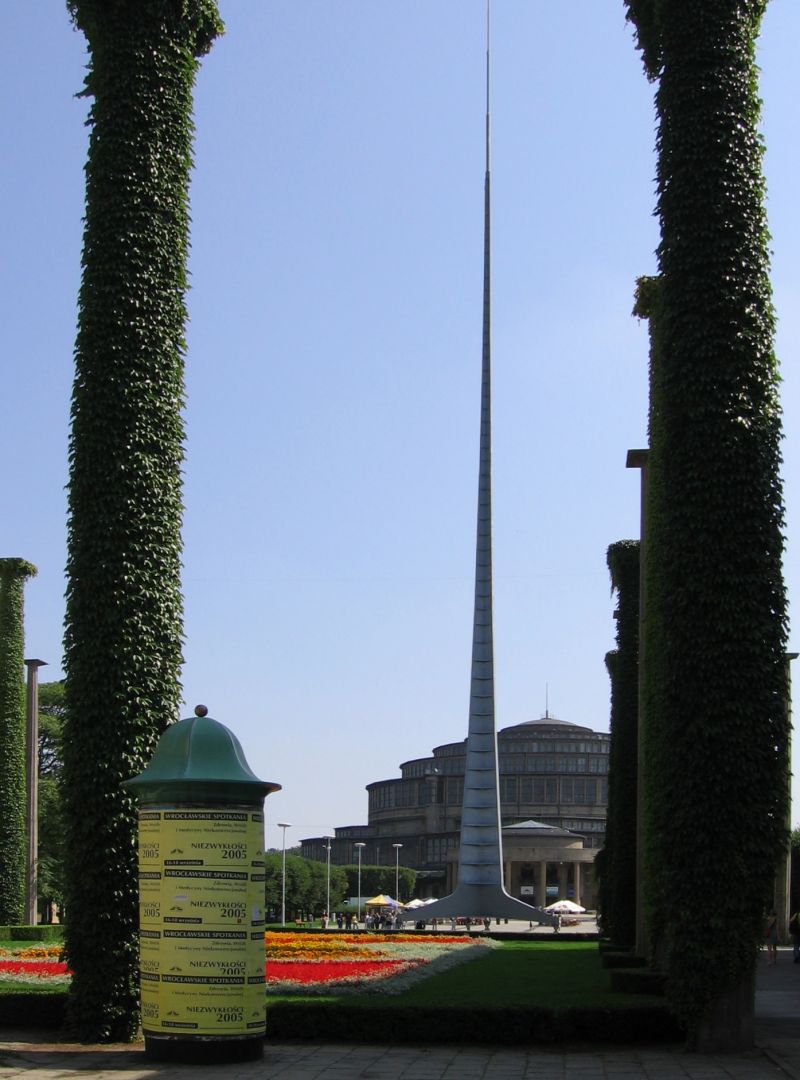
column 553, row 795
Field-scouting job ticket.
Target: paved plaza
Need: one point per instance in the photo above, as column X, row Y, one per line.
column 31, row 1056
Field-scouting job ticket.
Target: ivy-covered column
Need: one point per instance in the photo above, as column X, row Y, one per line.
column 619, row 863
column 124, row 608
column 13, row 575
column 715, row 685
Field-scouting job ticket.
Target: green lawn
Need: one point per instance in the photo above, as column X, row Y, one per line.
column 43, row 987
column 522, row 974
column 517, row 993
column 11, row 947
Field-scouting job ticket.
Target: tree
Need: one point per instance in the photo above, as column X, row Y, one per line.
column 13, row 850
column 52, row 713
column 124, row 608
column 715, row 688
column 306, row 885
column 376, row 880
column 50, row 875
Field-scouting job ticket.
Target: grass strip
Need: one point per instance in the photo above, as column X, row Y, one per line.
column 535, row 975
column 519, row 993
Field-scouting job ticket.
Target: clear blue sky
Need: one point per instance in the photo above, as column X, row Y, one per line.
column 334, row 353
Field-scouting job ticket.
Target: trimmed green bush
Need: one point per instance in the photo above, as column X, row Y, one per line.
column 124, row 606
column 390, row 1022
column 32, row 1009
column 627, row 959
column 387, row 1022
column 638, row 980
column 41, row 932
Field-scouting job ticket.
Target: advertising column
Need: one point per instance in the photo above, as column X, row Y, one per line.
column 201, row 898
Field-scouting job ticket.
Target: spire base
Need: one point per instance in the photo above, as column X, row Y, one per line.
column 482, row 901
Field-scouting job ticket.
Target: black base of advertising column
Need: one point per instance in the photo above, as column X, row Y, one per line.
column 201, row 1051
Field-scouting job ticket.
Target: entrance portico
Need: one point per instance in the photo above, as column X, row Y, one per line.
column 541, row 864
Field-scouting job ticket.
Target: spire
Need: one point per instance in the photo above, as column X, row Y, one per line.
column 488, row 113
column 479, row 890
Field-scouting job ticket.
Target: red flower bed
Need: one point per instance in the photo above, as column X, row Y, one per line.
column 312, row 971
column 33, row 967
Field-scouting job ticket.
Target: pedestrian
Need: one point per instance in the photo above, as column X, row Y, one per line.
column 794, row 930
column 771, row 937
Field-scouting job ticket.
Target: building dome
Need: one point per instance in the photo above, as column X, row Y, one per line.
column 537, row 727
column 553, row 788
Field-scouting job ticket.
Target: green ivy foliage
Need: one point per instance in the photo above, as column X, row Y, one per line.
column 716, row 721
column 13, row 846
column 618, row 888
column 645, row 16
column 124, row 608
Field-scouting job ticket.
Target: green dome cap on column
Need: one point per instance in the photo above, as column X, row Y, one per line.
column 199, row 760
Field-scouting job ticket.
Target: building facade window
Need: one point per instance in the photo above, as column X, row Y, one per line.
column 508, row 789
column 544, row 763
column 572, row 763
column 437, row 847
column 455, row 791
column 581, row 791
column 512, row 763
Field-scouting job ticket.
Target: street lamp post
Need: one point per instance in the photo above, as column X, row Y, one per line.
column 328, row 891
column 397, row 871
column 283, row 825
column 359, row 846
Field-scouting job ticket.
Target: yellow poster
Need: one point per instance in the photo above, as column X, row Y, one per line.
column 201, row 911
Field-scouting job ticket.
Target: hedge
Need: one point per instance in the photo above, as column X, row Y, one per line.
column 638, row 980
column 40, row 932
column 32, row 1009
column 381, row 1022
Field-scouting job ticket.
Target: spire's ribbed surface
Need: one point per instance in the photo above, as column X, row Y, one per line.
column 480, row 819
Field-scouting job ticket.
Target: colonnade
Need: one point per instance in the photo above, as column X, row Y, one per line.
column 540, row 898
